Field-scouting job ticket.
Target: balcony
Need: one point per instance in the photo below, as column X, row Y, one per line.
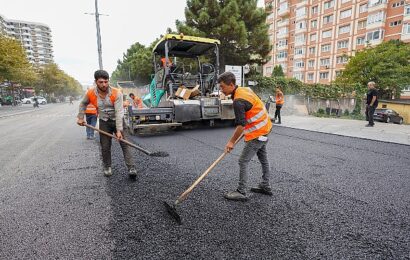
column 406, row 17
column 379, row 24
column 300, row 30
column 300, row 43
column 283, row 11
column 281, row 59
column 282, row 47
column 377, row 5
column 283, row 23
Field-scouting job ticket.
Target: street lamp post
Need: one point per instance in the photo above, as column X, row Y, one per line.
column 97, row 23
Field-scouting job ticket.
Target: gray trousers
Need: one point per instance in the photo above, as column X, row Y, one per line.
column 105, row 141
column 251, row 148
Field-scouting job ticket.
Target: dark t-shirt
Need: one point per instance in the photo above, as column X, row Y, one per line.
column 240, row 106
column 370, row 94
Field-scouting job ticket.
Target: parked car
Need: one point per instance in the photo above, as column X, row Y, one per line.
column 387, row 116
column 30, row 100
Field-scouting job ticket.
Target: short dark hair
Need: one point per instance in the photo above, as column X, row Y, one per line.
column 227, row 78
column 131, row 94
column 101, row 74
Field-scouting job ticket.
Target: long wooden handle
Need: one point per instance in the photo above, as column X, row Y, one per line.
column 183, row 196
column 121, row 140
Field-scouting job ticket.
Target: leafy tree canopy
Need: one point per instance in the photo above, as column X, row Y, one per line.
column 239, row 24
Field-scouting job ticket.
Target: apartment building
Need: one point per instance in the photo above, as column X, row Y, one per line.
column 313, row 39
column 35, row 38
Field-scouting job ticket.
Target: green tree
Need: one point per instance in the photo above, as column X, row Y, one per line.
column 55, row 81
column 14, row 65
column 239, row 24
column 278, row 71
column 387, row 64
column 136, row 65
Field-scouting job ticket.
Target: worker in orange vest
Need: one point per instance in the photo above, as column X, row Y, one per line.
column 252, row 120
column 136, row 101
column 109, row 104
column 280, row 100
column 91, row 118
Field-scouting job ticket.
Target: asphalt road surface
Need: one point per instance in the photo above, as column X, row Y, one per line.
column 334, row 197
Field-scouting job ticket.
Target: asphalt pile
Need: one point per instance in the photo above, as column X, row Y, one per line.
column 305, row 218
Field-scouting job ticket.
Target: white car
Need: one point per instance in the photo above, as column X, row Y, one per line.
column 30, row 100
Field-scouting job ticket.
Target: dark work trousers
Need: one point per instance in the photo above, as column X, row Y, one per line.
column 251, row 148
column 105, row 141
column 369, row 114
column 277, row 112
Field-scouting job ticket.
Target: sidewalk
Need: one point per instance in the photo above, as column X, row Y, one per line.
column 355, row 128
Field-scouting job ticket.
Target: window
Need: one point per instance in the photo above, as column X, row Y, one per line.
column 407, row 10
column 324, row 75
column 282, row 55
column 282, row 43
column 375, row 35
column 301, row 12
column 325, row 47
column 325, row 62
column 395, row 23
column 342, row 44
column 299, row 51
column 301, row 25
column 374, row 18
column 313, row 37
column 345, row 1
column 344, row 29
column 376, row 2
column 361, row 24
column 311, row 63
column 312, row 50
column 406, row 28
column 315, row 10
column 328, row 19
column 327, row 34
column 283, row 6
column 298, row 75
column 299, row 64
column 313, row 24
column 398, row 4
column 342, row 59
column 363, row 8
column 282, row 31
column 311, row 76
column 328, row 4
column 345, row 13
column 300, row 38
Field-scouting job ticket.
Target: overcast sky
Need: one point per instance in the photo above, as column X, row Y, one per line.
column 74, row 33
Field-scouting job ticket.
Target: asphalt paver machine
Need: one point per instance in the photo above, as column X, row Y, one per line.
column 183, row 64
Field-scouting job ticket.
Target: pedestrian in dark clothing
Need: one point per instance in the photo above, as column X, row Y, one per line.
column 371, row 103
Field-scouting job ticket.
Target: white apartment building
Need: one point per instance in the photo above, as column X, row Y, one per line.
column 35, row 38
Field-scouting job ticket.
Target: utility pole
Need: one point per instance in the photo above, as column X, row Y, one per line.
column 97, row 22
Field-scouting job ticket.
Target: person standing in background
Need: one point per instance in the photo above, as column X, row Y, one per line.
column 280, row 100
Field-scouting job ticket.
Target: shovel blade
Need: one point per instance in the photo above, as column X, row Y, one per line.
column 173, row 212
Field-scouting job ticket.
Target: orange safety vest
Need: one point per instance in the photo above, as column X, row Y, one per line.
column 91, row 109
column 279, row 98
column 94, row 99
column 257, row 118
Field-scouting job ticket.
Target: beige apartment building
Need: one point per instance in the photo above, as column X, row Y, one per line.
column 312, row 39
column 34, row 37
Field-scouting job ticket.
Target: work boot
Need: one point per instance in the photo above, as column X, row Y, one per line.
column 107, row 171
column 369, row 125
column 236, row 195
column 132, row 172
column 263, row 190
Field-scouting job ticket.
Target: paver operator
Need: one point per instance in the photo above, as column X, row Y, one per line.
column 109, row 103
column 253, row 121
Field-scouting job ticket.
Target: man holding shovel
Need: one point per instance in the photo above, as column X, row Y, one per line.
column 109, row 103
column 252, row 120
